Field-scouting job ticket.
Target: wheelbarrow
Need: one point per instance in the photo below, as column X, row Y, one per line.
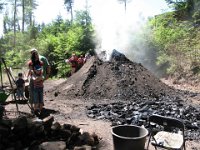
column 3, row 96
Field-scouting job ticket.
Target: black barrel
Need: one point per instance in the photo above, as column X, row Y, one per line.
column 129, row 137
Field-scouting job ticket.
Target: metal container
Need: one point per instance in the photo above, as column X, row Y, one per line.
column 129, row 137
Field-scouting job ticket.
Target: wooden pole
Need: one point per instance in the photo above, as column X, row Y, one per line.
column 1, row 76
column 8, row 74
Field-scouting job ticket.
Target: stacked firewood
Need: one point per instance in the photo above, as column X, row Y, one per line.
column 23, row 132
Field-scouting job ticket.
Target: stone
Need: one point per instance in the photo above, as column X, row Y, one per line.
column 53, row 145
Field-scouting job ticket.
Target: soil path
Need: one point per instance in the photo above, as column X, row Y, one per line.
column 74, row 112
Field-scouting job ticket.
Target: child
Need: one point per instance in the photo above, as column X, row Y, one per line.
column 38, row 80
column 20, row 87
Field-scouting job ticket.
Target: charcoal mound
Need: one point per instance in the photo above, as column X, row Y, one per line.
column 118, row 78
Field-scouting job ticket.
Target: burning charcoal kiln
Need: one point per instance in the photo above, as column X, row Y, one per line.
column 136, row 91
column 119, row 78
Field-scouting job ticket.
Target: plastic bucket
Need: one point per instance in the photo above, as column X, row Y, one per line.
column 129, row 137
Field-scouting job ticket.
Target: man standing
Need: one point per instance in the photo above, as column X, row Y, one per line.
column 73, row 60
column 46, row 71
column 80, row 62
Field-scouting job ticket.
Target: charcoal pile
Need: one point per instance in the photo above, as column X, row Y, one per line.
column 118, row 78
column 23, row 132
column 138, row 112
column 140, row 93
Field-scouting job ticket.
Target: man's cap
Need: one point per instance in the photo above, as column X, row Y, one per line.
column 38, row 67
column 33, row 50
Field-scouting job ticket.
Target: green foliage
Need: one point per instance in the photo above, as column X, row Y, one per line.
column 167, row 29
column 176, row 41
column 17, row 56
column 57, row 41
column 186, row 5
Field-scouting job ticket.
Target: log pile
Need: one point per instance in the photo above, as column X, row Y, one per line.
column 23, row 132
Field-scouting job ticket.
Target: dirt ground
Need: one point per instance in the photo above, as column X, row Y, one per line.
column 73, row 111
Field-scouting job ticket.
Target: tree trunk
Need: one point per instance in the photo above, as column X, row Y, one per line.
column 71, row 12
column 125, row 5
column 23, row 15
column 30, row 13
column 15, row 14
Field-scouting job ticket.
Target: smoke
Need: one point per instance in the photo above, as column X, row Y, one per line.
column 121, row 30
column 118, row 29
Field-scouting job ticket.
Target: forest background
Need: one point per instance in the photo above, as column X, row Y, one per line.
column 170, row 41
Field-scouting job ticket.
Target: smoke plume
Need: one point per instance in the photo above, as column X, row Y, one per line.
column 117, row 28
